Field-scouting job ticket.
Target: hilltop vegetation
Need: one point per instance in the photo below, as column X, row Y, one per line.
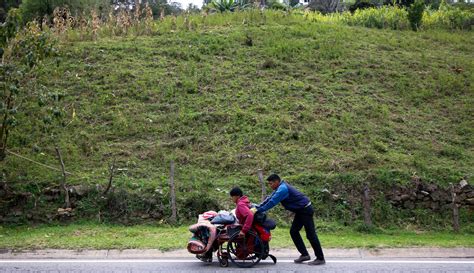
column 324, row 105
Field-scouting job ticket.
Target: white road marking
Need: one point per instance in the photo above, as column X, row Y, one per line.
column 27, row 261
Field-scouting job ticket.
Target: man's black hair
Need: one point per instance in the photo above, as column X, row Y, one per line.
column 236, row 191
column 274, row 177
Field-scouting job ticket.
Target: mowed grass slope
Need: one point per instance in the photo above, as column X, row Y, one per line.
column 278, row 93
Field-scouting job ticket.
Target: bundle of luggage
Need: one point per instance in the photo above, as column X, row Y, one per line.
column 205, row 231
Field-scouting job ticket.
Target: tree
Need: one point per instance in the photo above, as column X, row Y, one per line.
column 5, row 6
column 193, row 8
column 415, row 14
column 325, row 6
column 23, row 54
column 37, row 9
column 294, row 3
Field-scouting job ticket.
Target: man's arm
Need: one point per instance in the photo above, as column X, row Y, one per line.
column 280, row 194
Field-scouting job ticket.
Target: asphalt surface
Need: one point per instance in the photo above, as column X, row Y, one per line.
column 192, row 265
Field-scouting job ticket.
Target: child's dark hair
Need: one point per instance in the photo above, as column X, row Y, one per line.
column 236, row 191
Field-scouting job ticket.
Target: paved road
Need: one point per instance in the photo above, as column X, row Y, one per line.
column 191, row 265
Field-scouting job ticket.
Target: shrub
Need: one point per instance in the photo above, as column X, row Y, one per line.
column 361, row 4
column 275, row 4
column 10, row 27
column 395, row 17
column 325, row 6
column 448, row 17
column 415, row 14
column 384, row 17
column 34, row 9
column 228, row 5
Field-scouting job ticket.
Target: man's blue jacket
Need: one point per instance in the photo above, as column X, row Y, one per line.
column 288, row 196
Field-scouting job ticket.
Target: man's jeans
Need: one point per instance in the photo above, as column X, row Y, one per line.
column 304, row 218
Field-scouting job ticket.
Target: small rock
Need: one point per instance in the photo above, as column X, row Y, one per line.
column 434, row 205
column 404, row 197
column 409, row 204
column 17, row 213
column 79, row 190
column 431, row 187
column 460, row 198
column 64, row 212
column 325, row 191
column 463, row 183
column 394, row 197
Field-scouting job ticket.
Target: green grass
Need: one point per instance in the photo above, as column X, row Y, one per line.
column 323, row 105
column 100, row 236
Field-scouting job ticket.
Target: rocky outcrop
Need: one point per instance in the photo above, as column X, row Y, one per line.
column 430, row 196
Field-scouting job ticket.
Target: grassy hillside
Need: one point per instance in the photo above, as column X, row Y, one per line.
column 320, row 104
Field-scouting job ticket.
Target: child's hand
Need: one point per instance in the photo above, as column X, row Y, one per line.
column 253, row 210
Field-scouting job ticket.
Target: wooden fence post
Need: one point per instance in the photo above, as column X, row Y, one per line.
column 366, row 203
column 455, row 209
column 173, row 194
column 262, row 183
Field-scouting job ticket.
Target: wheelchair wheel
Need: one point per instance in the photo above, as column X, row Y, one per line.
column 223, row 257
column 224, row 262
column 206, row 257
column 245, row 251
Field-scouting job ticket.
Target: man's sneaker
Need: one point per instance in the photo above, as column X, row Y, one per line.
column 317, row 262
column 302, row 258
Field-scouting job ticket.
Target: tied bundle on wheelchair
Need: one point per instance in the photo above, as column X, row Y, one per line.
column 204, row 235
column 205, row 230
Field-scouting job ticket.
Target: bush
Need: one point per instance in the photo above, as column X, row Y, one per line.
column 415, row 14
column 34, row 9
column 448, row 17
column 10, row 27
column 5, row 6
column 361, row 4
column 395, row 17
column 229, row 5
column 30, row 46
column 275, row 4
column 325, row 6
column 384, row 17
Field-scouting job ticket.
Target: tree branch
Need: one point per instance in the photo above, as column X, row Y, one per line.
column 111, row 177
column 63, row 181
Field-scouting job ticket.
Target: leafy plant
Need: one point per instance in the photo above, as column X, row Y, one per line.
column 22, row 55
column 277, row 5
column 229, row 5
column 361, row 4
column 9, row 28
column 448, row 17
column 415, row 14
column 325, row 6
